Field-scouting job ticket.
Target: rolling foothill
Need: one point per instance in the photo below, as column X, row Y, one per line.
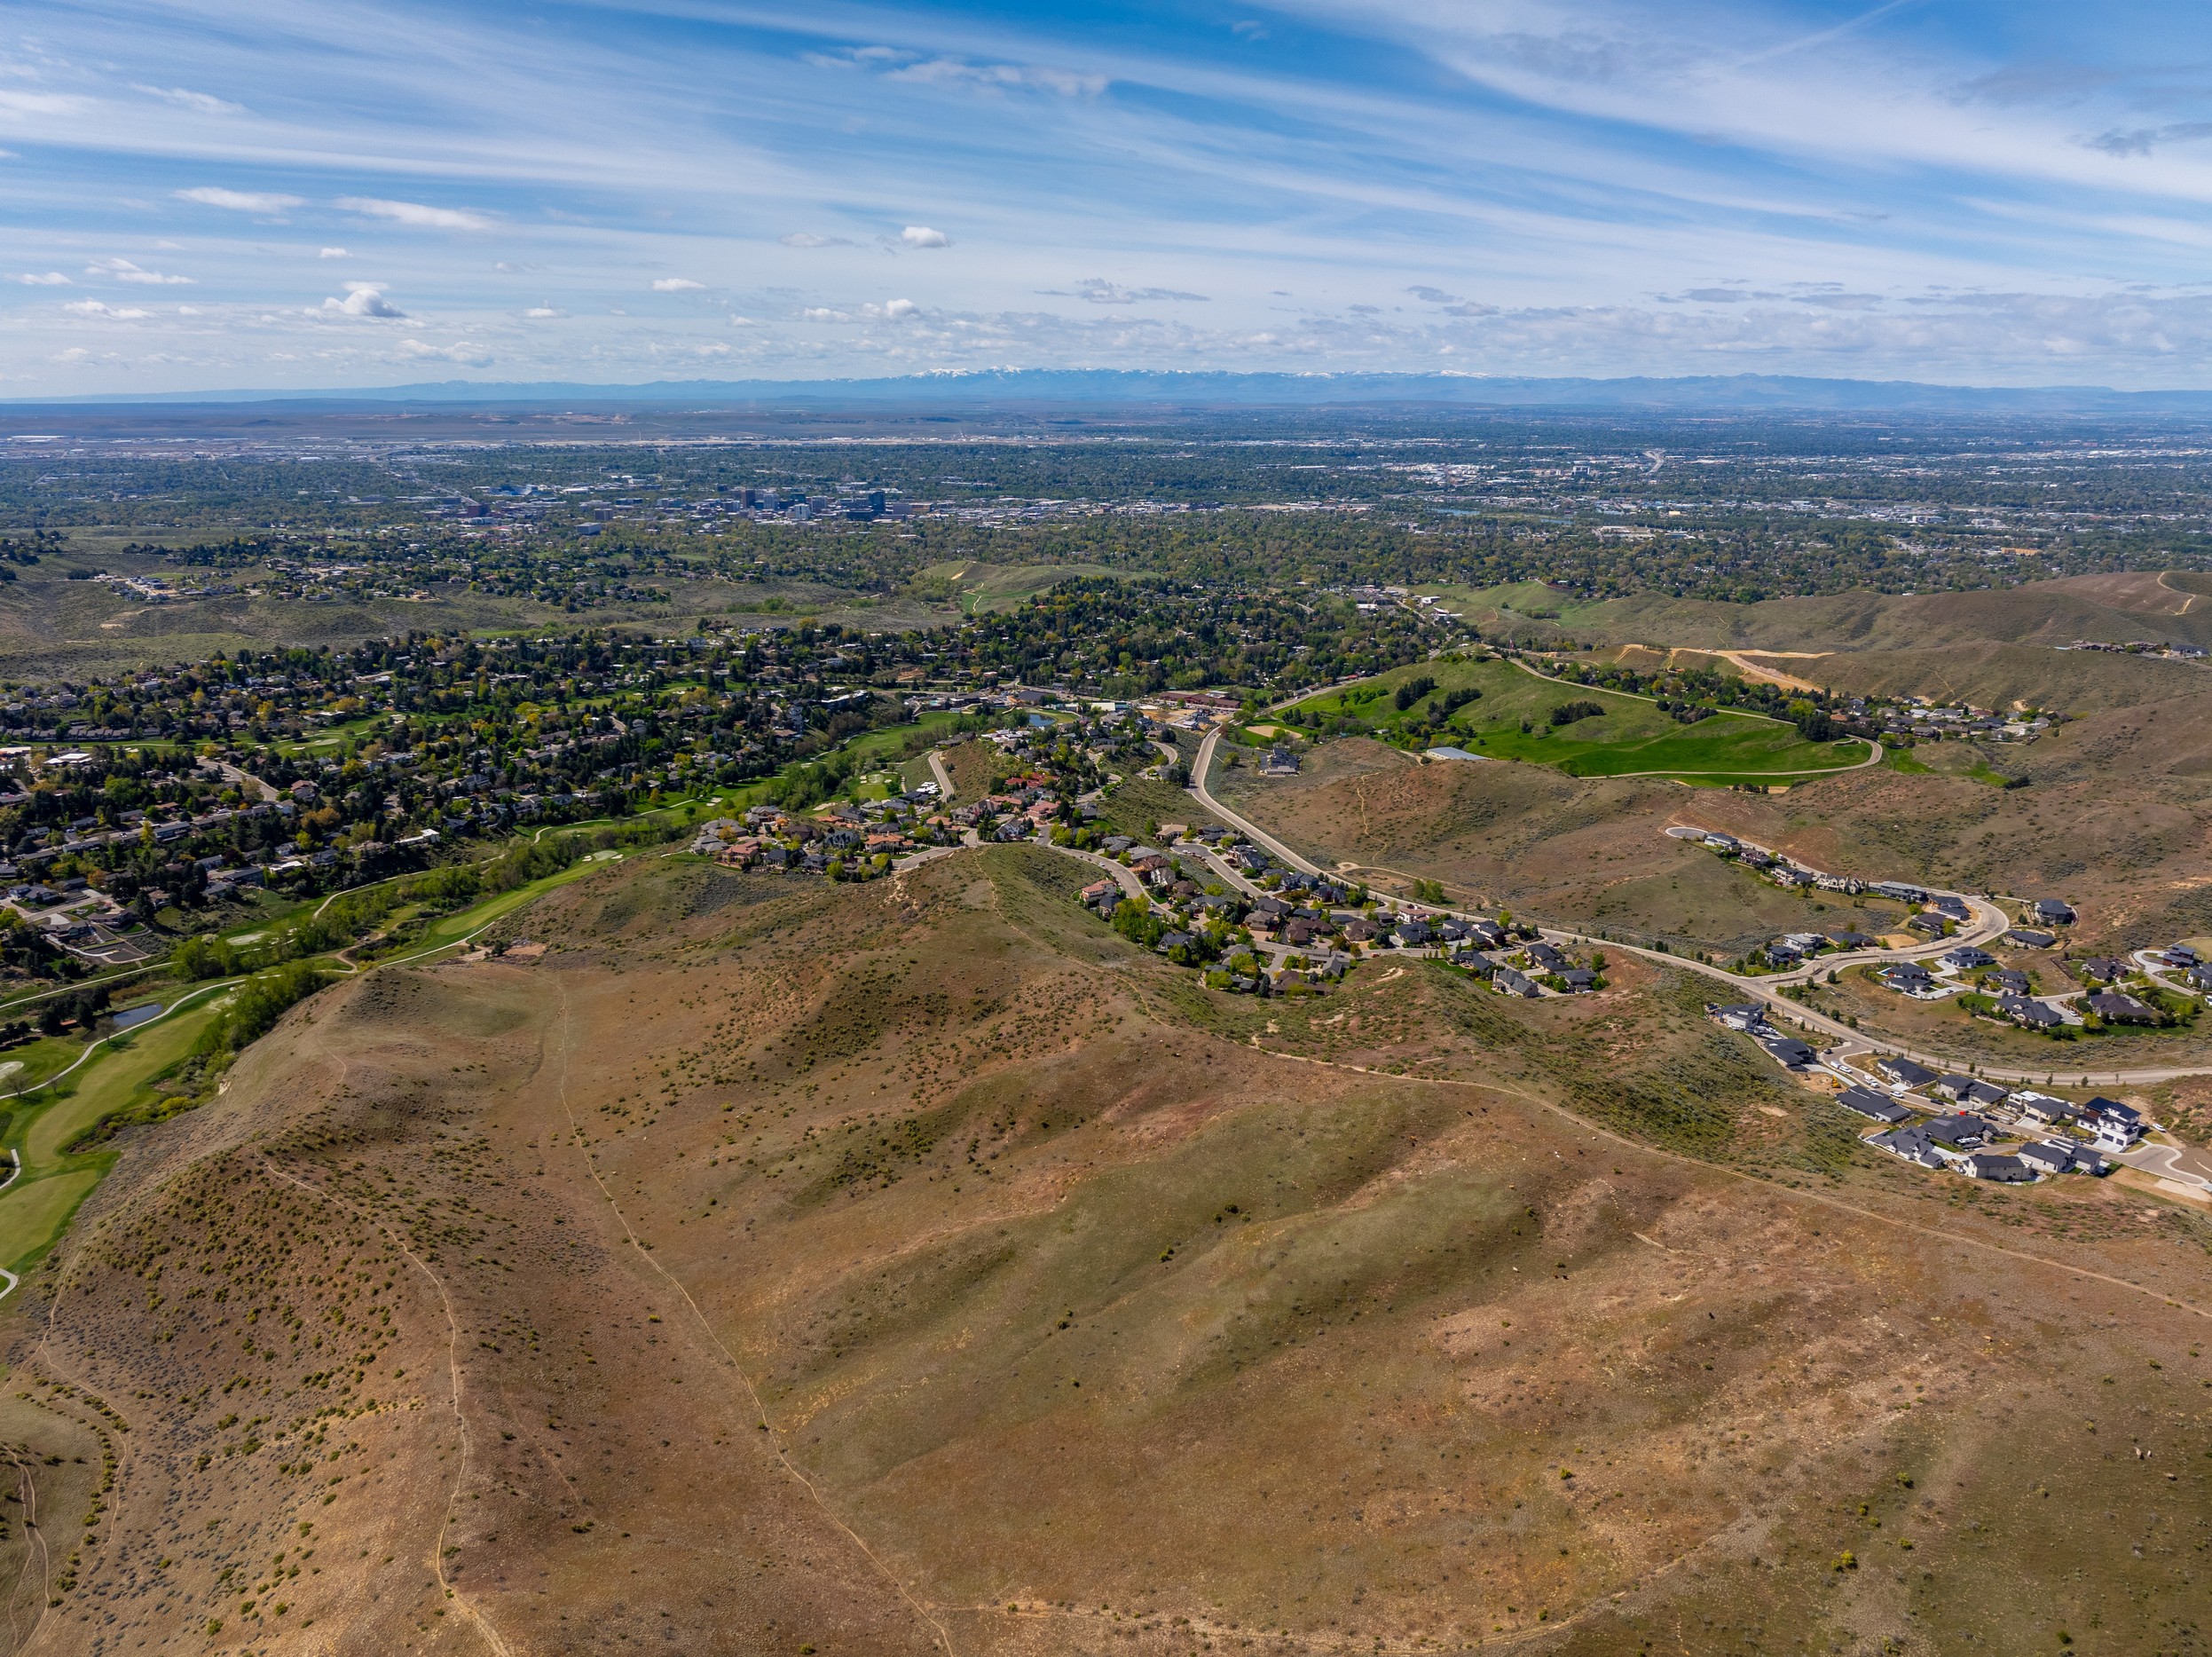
column 1400, row 1032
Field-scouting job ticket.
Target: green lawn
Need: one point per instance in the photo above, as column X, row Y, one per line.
column 1630, row 738
column 35, row 1209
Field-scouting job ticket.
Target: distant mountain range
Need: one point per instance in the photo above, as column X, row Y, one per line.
column 1100, row 388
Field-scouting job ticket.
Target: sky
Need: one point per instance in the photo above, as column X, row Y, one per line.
column 239, row 193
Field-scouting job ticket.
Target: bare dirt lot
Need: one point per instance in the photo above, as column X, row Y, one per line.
column 777, row 1268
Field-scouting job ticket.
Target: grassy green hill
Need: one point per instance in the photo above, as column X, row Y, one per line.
column 1512, row 720
column 980, row 588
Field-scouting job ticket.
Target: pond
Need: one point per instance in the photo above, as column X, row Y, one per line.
column 132, row 1016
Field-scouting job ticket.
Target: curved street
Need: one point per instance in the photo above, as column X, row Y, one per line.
column 1990, row 921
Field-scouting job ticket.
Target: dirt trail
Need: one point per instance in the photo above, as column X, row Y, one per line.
column 776, row 1439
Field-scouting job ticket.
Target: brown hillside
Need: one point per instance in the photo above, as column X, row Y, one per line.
column 786, row 1269
column 2117, row 818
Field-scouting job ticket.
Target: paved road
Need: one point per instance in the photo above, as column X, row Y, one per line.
column 244, row 781
column 1990, row 921
column 944, row 777
column 1258, row 835
column 2169, row 1162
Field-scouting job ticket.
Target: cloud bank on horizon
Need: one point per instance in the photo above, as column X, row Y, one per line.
column 1970, row 193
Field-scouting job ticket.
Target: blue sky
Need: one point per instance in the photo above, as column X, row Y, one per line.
column 242, row 193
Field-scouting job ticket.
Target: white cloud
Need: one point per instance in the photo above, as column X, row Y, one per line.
column 676, row 285
column 923, row 236
column 896, row 310
column 94, row 308
column 543, row 313
column 363, row 299
column 124, row 271
column 239, row 201
column 1098, row 291
column 807, row 239
column 460, row 350
column 48, row 279
column 334, row 253
column 190, row 310
column 414, row 213
column 1000, row 77
column 823, row 313
column 75, row 353
column 206, row 103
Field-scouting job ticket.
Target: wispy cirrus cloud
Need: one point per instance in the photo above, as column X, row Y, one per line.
column 239, row 201
column 415, row 215
column 125, row 271
column 1575, row 185
column 183, row 97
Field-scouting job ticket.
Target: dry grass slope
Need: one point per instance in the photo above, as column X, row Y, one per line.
column 780, row 1266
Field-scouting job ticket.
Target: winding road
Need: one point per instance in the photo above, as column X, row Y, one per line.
column 1990, row 922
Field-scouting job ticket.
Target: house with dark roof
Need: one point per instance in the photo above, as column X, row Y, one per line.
column 2062, row 1156
column 1750, row 1015
column 2115, row 1007
column 1789, row 1052
column 1994, row 1165
column 1909, row 978
column 1911, row 1143
column 2030, row 938
column 1967, row 958
column 1866, row 1102
column 1957, row 1132
column 2028, row 1014
column 2052, row 912
column 1904, row 1071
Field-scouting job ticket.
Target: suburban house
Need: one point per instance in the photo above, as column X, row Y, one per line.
column 2116, row 1126
column 1993, row 1166
column 1912, row 1143
column 2052, row 912
column 1967, row 958
column 1902, row 1071
column 2028, row 1014
column 1789, row 1052
column 1751, row 1015
column 2063, row 1156
column 1958, row 1133
column 1909, row 978
column 1866, row 1102
column 1507, row 981
column 2100, row 969
column 2117, row 1008
column 2030, row 938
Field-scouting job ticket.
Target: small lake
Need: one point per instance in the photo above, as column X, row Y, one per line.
column 132, row 1016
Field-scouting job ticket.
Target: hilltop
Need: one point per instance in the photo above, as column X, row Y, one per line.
column 782, row 1266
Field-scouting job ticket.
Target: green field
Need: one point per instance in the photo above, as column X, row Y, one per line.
column 980, row 588
column 1631, row 738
